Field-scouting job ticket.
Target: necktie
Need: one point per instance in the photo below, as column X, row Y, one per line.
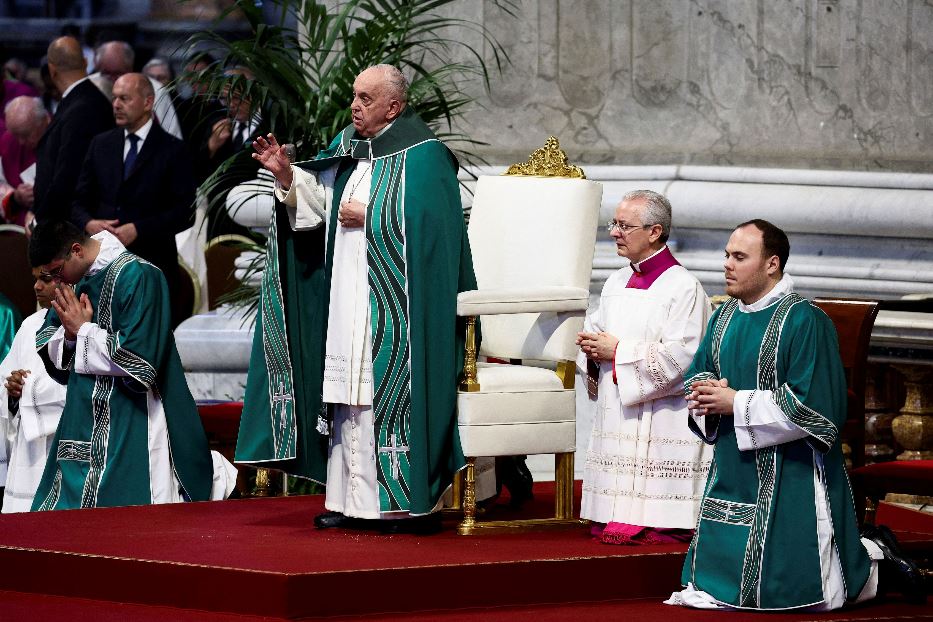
column 130, row 155
column 239, row 135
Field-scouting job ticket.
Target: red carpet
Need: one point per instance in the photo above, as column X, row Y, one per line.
column 261, row 559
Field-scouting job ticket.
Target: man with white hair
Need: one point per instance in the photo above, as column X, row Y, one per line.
column 115, row 58
column 159, row 70
column 645, row 470
column 358, row 336
column 26, row 122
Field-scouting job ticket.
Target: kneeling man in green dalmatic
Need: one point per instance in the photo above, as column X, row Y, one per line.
column 777, row 527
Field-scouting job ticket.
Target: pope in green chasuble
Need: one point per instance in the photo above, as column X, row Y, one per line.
column 390, row 288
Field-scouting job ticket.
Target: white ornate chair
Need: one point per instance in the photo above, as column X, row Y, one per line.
column 532, row 239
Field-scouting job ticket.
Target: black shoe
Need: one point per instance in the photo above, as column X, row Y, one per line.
column 896, row 572
column 513, row 473
column 328, row 520
column 420, row 525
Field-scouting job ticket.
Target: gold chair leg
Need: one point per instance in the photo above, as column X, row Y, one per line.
column 457, row 492
column 263, row 486
column 563, row 480
column 469, row 500
column 870, row 508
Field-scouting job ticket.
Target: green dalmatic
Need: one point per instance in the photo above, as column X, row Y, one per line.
column 756, row 544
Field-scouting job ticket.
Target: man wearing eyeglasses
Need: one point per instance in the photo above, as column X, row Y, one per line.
column 644, row 472
column 31, row 404
column 130, row 433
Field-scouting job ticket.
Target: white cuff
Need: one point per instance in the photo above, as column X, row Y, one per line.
column 305, row 200
column 56, row 346
column 759, row 422
column 92, row 356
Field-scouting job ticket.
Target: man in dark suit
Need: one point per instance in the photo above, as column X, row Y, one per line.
column 137, row 182
column 83, row 113
column 229, row 134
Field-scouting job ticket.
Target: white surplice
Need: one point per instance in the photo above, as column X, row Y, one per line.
column 644, row 466
column 31, row 429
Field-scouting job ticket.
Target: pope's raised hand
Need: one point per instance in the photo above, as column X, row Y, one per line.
column 271, row 155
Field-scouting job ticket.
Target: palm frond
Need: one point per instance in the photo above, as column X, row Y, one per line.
column 303, row 75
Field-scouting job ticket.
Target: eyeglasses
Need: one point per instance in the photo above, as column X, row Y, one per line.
column 52, row 275
column 623, row 228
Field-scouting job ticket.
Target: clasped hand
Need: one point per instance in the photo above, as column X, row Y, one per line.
column 711, row 397
column 15, row 383
column 599, row 346
column 72, row 312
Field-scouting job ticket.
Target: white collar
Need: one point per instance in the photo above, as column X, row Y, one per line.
column 72, row 87
column 637, row 266
column 110, row 249
column 783, row 287
column 142, row 132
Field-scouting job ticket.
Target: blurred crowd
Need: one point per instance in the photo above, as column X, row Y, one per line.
column 111, row 141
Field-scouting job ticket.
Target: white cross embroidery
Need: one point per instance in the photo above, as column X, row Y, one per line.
column 394, row 449
column 281, row 395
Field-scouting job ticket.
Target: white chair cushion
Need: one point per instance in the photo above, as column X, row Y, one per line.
column 504, row 378
column 518, row 410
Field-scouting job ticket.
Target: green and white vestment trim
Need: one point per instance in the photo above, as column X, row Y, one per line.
column 388, row 292
column 277, row 357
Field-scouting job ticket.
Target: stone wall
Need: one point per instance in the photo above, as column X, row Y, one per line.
column 838, row 84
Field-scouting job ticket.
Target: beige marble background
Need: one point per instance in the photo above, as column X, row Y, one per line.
column 839, row 84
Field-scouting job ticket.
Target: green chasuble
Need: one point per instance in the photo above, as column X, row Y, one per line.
column 419, row 259
column 756, row 543
column 9, row 323
column 100, row 455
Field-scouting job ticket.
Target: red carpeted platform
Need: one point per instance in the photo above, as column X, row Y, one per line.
column 261, row 559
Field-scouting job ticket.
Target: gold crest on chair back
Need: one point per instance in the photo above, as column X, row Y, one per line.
column 532, row 239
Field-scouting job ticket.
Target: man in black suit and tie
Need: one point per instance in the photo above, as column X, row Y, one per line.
column 137, row 182
column 229, row 135
column 83, row 113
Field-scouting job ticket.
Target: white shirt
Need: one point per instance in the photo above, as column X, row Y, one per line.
column 141, row 134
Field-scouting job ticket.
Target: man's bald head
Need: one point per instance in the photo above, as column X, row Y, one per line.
column 65, row 54
column 138, row 83
column 133, row 97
